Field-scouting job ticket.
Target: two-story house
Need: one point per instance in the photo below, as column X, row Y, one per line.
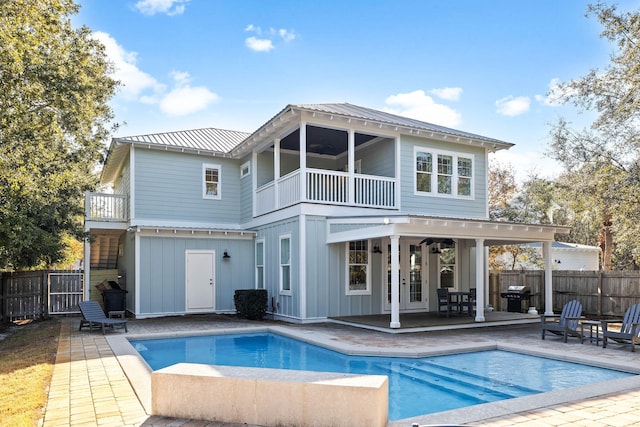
column 335, row 209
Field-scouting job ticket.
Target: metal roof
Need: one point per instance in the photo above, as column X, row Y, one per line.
column 355, row 111
column 207, row 139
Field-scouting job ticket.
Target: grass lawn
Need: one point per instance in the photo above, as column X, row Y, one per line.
column 27, row 356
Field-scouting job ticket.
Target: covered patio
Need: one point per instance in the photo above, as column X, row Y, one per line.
column 429, row 321
column 471, row 239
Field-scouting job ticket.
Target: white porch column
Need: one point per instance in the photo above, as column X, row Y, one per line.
column 276, row 171
column 395, row 283
column 480, row 283
column 548, row 283
column 351, row 166
column 303, row 161
column 86, row 263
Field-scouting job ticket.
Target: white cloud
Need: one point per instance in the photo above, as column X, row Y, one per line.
column 513, row 106
column 259, row 45
column 185, row 99
column 169, row 7
column 420, row 106
column 135, row 82
column 287, row 35
column 555, row 96
column 448, row 93
column 264, row 42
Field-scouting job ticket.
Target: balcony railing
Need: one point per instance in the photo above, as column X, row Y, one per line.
column 328, row 187
column 106, row 207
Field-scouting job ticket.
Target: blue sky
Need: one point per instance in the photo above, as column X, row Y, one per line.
column 480, row 66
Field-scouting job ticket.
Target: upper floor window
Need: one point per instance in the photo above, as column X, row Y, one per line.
column 211, row 181
column 245, row 169
column 358, row 281
column 440, row 173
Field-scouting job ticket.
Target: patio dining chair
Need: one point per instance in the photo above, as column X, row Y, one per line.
column 566, row 323
column 444, row 302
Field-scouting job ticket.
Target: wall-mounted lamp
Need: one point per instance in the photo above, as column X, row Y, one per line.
column 226, row 255
column 376, row 249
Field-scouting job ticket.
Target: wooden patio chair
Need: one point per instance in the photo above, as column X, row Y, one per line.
column 444, row 302
column 566, row 323
column 93, row 317
column 629, row 328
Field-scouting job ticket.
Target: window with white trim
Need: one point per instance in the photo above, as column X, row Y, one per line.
column 211, row 181
column 260, row 264
column 447, row 266
column 245, row 169
column 285, row 264
column 443, row 173
column 358, row 280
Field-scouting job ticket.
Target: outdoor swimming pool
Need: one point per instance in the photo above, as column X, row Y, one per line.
column 417, row 386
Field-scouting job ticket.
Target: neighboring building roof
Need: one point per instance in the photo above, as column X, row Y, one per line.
column 563, row 245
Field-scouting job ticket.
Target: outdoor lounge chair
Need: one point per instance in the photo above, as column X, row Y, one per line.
column 93, row 317
column 566, row 323
column 628, row 333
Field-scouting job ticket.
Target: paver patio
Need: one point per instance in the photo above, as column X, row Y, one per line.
column 89, row 387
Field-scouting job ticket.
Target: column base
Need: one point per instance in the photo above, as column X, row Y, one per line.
column 394, row 325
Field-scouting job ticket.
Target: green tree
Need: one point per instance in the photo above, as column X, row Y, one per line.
column 510, row 202
column 54, row 119
column 602, row 162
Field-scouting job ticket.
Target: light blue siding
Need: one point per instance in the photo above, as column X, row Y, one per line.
column 413, row 204
column 162, row 272
column 317, row 268
column 168, row 186
column 246, row 192
column 341, row 304
column 286, row 305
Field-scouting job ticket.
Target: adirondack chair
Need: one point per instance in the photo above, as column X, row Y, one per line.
column 566, row 323
column 629, row 329
column 93, row 317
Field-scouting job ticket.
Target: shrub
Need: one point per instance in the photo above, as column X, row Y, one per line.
column 251, row 303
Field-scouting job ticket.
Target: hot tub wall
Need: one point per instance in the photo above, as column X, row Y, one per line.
column 269, row 397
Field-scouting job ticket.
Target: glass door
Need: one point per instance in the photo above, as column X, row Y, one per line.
column 412, row 276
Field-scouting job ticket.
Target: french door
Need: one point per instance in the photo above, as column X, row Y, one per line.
column 412, row 276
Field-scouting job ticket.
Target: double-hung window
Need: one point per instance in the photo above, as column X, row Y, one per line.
column 211, row 181
column 358, row 280
column 443, row 173
column 260, row 264
column 285, row 264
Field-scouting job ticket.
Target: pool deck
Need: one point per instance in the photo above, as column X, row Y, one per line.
column 89, row 386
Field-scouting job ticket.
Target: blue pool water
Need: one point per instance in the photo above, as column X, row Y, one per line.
column 416, row 386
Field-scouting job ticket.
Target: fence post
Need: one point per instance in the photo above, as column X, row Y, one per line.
column 45, row 294
column 600, row 284
column 3, row 309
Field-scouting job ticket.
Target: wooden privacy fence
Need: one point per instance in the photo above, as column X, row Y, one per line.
column 38, row 294
column 602, row 293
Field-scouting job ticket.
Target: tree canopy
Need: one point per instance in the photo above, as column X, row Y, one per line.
column 602, row 179
column 54, row 119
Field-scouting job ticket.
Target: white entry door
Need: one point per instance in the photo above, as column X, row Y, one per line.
column 200, row 280
column 413, row 276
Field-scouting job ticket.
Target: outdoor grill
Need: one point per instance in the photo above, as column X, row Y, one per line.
column 515, row 295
